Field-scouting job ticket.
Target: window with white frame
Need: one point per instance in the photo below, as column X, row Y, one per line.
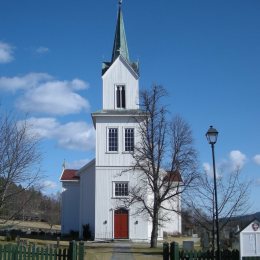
column 129, row 139
column 113, row 139
column 120, row 189
column 120, row 96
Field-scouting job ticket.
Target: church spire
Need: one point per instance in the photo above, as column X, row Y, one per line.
column 120, row 43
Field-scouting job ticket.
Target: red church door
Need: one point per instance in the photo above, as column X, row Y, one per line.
column 121, row 224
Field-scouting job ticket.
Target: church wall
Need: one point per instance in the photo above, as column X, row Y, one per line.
column 174, row 225
column 103, row 156
column 120, row 74
column 87, row 199
column 160, row 231
column 70, row 203
column 150, row 224
column 106, row 204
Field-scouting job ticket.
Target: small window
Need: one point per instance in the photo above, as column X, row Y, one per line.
column 112, row 139
column 120, row 96
column 129, row 139
column 121, row 189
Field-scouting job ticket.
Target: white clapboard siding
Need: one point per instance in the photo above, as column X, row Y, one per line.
column 87, row 197
column 106, row 203
column 103, row 156
column 120, row 73
column 70, row 203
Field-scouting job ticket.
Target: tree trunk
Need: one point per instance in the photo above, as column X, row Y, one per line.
column 154, row 234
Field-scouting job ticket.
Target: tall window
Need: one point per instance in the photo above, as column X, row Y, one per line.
column 120, row 96
column 129, row 139
column 113, row 139
column 121, row 189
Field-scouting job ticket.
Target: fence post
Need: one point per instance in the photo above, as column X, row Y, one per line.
column 14, row 252
column 72, row 250
column 235, row 255
column 165, row 251
column 81, row 250
column 174, row 251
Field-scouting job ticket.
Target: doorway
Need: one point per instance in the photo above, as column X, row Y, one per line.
column 121, row 224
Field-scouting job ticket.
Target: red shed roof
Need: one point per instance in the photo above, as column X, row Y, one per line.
column 69, row 175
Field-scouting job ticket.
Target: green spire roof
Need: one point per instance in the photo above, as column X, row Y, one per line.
column 120, row 43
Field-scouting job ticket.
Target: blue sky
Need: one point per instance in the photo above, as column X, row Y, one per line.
column 205, row 53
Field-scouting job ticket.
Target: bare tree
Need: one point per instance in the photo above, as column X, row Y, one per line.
column 51, row 209
column 164, row 159
column 19, row 164
column 232, row 200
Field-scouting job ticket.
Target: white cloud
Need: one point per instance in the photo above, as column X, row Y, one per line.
column 72, row 135
column 44, row 94
column 42, row 50
column 238, row 159
column 207, row 168
column 76, row 164
column 55, row 97
column 30, row 80
column 257, row 159
column 50, row 185
column 6, row 52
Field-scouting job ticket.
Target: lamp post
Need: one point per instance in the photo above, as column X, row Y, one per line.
column 212, row 136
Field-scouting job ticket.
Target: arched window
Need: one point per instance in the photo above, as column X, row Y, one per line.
column 120, row 96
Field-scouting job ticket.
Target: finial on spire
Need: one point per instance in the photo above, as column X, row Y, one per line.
column 120, row 2
column 64, row 165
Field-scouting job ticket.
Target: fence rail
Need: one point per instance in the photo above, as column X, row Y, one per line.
column 33, row 252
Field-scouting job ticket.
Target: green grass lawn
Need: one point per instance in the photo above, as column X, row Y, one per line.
column 19, row 224
column 104, row 251
column 93, row 251
column 143, row 251
column 98, row 252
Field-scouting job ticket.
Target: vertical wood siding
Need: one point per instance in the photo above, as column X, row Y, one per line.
column 120, row 74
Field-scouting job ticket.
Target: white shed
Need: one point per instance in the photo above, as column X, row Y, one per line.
column 250, row 240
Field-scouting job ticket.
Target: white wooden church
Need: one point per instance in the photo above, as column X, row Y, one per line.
column 91, row 195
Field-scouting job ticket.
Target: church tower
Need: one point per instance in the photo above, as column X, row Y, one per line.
column 120, row 75
column 116, row 135
column 93, row 196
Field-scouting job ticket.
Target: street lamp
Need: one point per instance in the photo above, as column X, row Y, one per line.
column 212, row 136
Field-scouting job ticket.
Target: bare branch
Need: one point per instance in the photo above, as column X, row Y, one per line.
column 19, row 161
column 165, row 161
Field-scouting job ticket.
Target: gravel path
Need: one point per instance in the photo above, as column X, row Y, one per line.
column 122, row 250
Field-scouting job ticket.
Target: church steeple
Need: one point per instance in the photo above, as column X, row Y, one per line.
column 120, row 43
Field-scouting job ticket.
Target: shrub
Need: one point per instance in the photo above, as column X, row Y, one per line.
column 86, row 232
